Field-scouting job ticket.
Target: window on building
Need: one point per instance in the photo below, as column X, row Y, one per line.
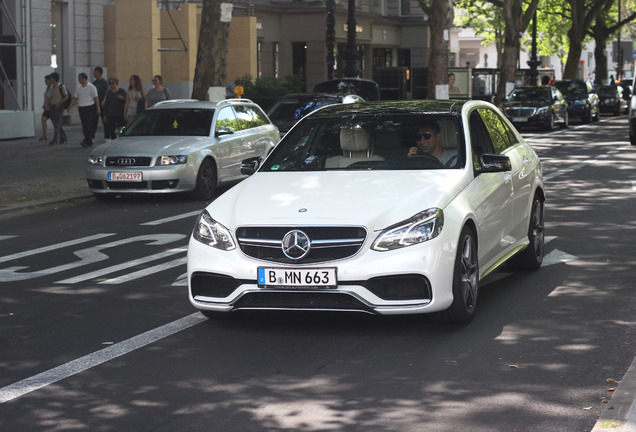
column 275, row 50
column 259, row 59
column 405, row 7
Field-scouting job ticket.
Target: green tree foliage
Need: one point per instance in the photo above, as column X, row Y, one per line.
column 486, row 19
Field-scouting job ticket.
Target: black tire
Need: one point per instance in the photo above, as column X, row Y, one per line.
column 597, row 116
column 206, row 181
column 465, row 279
column 550, row 126
column 566, row 121
column 588, row 116
column 531, row 257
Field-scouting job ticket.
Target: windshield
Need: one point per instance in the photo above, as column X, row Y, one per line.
column 530, row 94
column 359, row 141
column 297, row 108
column 571, row 87
column 172, row 122
column 607, row 91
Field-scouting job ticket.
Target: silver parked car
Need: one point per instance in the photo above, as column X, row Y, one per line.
column 182, row 146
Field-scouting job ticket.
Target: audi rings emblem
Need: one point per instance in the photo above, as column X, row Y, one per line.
column 125, row 161
column 296, row 244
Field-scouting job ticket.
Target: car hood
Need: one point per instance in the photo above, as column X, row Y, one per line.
column 375, row 199
column 150, row 146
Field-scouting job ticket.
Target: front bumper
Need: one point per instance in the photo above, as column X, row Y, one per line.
column 156, row 179
column 411, row 280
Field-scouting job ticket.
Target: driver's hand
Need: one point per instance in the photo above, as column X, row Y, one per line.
column 412, row 151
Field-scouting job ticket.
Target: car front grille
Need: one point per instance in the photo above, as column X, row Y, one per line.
column 327, row 243
column 301, row 300
column 519, row 112
column 128, row 161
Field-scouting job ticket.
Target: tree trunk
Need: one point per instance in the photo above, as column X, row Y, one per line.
column 438, row 14
column 600, row 57
column 211, row 67
column 512, row 17
column 576, row 48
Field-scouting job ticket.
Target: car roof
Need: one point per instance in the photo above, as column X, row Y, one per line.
column 197, row 104
column 453, row 107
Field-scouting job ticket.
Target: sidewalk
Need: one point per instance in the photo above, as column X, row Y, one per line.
column 33, row 173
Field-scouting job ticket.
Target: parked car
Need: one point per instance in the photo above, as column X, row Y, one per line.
column 181, row 146
column 287, row 110
column 583, row 102
column 632, row 115
column 611, row 99
column 536, row 106
column 338, row 218
column 368, row 89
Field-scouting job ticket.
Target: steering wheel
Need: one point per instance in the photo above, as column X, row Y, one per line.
column 421, row 160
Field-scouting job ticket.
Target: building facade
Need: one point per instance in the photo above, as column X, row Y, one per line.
column 267, row 38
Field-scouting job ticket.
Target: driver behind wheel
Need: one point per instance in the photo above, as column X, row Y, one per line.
column 428, row 142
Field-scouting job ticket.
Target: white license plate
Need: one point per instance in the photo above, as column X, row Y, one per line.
column 297, row 278
column 520, row 119
column 125, row 176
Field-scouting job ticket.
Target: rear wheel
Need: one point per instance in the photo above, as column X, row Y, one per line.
column 532, row 256
column 206, row 181
column 465, row 279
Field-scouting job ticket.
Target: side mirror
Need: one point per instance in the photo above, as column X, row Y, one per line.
column 250, row 165
column 224, row 130
column 120, row 130
column 492, row 163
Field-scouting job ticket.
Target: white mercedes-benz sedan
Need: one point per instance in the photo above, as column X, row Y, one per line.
column 380, row 207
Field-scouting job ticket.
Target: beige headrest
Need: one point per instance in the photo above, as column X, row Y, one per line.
column 354, row 139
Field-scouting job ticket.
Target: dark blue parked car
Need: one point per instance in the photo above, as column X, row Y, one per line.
column 583, row 102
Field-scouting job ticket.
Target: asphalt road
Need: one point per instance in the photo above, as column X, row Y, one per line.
column 96, row 332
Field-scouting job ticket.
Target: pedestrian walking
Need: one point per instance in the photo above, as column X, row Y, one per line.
column 102, row 87
column 55, row 104
column 158, row 93
column 88, row 105
column 46, row 114
column 113, row 111
column 135, row 99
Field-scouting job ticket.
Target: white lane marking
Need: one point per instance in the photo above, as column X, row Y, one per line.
column 53, row 247
column 173, row 218
column 81, row 364
column 123, row 266
column 87, row 256
column 634, row 185
column 557, row 256
column 6, row 237
column 181, row 281
column 146, row 272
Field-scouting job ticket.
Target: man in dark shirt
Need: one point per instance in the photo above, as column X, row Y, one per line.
column 102, row 87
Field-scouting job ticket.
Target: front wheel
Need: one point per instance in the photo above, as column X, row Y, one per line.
column 465, row 279
column 532, row 256
column 551, row 123
column 566, row 121
column 206, row 181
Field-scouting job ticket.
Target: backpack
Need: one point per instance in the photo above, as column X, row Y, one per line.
column 63, row 89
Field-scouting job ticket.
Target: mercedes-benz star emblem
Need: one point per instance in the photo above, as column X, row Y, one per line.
column 126, row 161
column 296, row 244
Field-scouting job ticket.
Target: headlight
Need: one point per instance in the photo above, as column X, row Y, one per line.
column 542, row 111
column 96, row 160
column 422, row 227
column 172, row 160
column 580, row 102
column 210, row 232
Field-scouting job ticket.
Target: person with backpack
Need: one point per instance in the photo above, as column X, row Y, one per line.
column 88, row 103
column 58, row 96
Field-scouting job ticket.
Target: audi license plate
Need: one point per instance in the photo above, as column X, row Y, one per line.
column 125, row 176
column 297, row 278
